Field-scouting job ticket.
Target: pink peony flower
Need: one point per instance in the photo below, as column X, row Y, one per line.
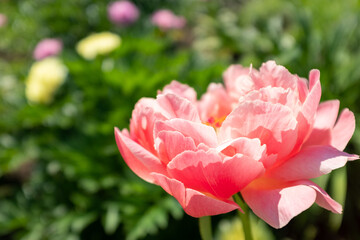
column 166, row 19
column 264, row 135
column 47, row 47
column 3, row 20
column 123, row 12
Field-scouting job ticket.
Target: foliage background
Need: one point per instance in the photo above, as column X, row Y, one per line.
column 61, row 176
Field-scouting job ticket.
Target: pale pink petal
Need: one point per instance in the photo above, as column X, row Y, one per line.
column 200, row 133
column 140, row 161
column 278, row 204
column 323, row 199
column 274, row 95
column 145, row 113
column 181, row 90
column 312, row 101
column 195, row 204
column 327, row 114
column 246, row 146
column 277, row 76
column 171, row 143
column 215, row 103
column 238, row 81
column 178, row 107
column 318, row 137
column 207, row 172
column 273, row 124
column 343, row 130
column 306, row 116
column 311, row 162
column 303, row 89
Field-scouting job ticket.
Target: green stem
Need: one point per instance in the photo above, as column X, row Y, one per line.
column 245, row 217
column 205, row 228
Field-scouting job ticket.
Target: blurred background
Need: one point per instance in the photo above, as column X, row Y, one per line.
column 72, row 70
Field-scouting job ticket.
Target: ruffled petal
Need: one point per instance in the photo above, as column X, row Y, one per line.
column 311, row 162
column 215, row 103
column 170, row 143
column 246, row 146
column 140, row 161
column 145, row 113
column 181, row 90
column 200, row 133
column 194, row 203
column 178, row 107
column 207, row 172
column 273, row 124
column 277, row 76
column 239, row 81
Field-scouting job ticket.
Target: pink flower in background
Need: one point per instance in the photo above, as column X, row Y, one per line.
column 47, row 47
column 3, row 20
column 166, row 19
column 123, row 12
column 264, row 135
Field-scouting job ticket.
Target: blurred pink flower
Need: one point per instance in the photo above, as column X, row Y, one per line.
column 3, row 20
column 47, row 47
column 123, row 12
column 264, row 135
column 166, row 19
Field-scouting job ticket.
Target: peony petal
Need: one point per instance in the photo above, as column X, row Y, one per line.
column 302, row 88
column 140, row 161
column 246, row 146
column 215, row 103
column 178, row 107
column 250, row 116
column 170, row 143
column 277, row 76
column 181, row 90
column 278, row 204
column 145, row 113
column 318, row 137
column 200, row 133
column 207, row 172
column 273, row 124
column 194, row 203
column 306, row 116
column 327, row 114
column 343, row 130
column 311, row 162
column 274, row 95
column 312, row 101
column 323, row 199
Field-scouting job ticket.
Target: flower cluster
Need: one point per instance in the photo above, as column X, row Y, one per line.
column 3, row 20
column 264, row 134
column 126, row 13
column 44, row 78
column 46, row 48
column 166, row 19
column 98, row 44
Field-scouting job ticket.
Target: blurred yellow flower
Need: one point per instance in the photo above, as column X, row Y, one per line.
column 233, row 230
column 98, row 44
column 44, row 79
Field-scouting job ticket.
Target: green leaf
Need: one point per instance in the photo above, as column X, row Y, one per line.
column 112, row 218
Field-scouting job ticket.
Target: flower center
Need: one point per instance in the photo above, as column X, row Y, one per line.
column 215, row 122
